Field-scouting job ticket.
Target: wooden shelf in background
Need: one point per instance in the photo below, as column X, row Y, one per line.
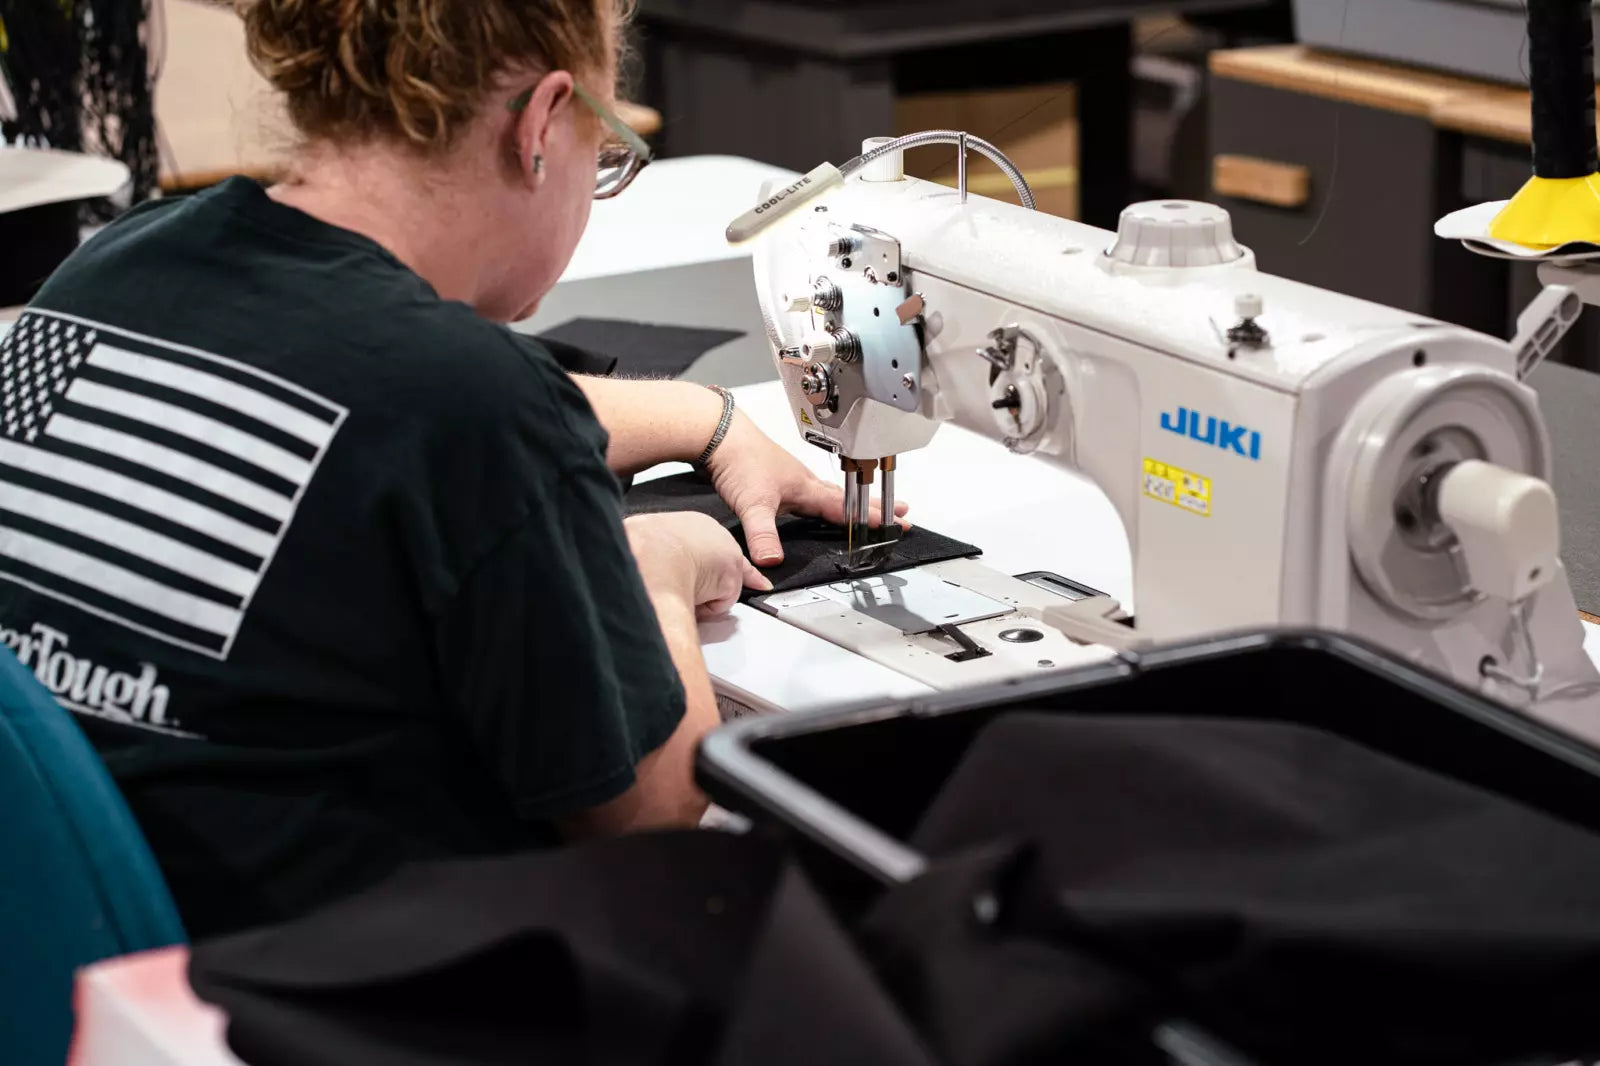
column 1462, row 105
column 1500, row 114
column 1262, row 180
column 1367, row 82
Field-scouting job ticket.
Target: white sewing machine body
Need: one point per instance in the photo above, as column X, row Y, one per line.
column 1276, row 481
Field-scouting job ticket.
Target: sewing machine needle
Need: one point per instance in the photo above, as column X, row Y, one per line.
column 852, row 490
column 863, row 516
column 887, row 494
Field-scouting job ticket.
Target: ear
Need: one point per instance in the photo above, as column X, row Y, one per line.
column 533, row 125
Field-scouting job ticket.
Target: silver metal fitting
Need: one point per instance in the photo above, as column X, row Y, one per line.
column 816, row 382
column 846, row 346
column 825, row 295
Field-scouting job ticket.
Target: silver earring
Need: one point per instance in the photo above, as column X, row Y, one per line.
column 538, row 164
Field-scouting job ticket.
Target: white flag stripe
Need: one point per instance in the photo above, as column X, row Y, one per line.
column 136, row 493
column 115, row 581
column 187, row 350
column 133, row 539
column 199, row 428
column 218, row 390
column 196, row 472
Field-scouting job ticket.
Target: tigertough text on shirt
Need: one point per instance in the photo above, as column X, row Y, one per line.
column 82, row 685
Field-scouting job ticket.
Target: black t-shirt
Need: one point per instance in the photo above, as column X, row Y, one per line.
column 331, row 570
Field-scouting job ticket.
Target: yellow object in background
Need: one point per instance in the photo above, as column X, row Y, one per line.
column 1549, row 212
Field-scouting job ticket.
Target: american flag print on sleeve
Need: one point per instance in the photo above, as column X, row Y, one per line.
column 145, row 482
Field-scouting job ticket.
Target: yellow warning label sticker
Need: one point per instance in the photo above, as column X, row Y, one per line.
column 805, row 419
column 1177, row 487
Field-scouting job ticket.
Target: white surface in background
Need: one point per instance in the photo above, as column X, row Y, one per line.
column 32, row 177
column 675, row 213
column 138, row 1010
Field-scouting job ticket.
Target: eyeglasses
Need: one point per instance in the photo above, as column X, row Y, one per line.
column 619, row 163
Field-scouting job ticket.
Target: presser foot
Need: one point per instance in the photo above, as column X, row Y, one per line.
column 865, row 558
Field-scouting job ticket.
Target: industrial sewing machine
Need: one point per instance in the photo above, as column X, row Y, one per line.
column 1279, row 455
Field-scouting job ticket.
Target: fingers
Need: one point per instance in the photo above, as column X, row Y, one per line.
column 761, row 534
column 755, row 579
column 900, row 509
column 716, row 609
column 822, row 500
column 745, row 577
column 826, row 502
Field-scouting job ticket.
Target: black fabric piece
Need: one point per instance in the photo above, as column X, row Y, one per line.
column 1308, row 899
column 576, row 360
column 411, row 626
column 36, row 240
column 638, row 348
column 806, row 999
column 985, row 993
column 810, row 545
column 667, row 948
column 1561, row 75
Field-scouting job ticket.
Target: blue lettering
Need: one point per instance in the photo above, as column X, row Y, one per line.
column 1219, row 433
column 1232, row 436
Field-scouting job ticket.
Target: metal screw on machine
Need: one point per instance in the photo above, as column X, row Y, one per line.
column 907, row 381
column 825, row 295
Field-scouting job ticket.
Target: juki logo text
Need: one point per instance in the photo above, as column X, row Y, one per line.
column 1217, row 432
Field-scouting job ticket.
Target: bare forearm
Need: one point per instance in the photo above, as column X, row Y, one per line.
column 700, row 714
column 664, row 794
column 651, row 422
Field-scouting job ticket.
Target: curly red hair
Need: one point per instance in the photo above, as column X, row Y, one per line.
column 417, row 71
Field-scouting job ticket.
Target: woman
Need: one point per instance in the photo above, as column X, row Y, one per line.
column 331, row 564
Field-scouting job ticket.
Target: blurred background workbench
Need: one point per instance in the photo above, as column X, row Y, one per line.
column 1334, row 166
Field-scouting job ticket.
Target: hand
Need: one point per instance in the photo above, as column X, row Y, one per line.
column 691, row 556
column 760, row 481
